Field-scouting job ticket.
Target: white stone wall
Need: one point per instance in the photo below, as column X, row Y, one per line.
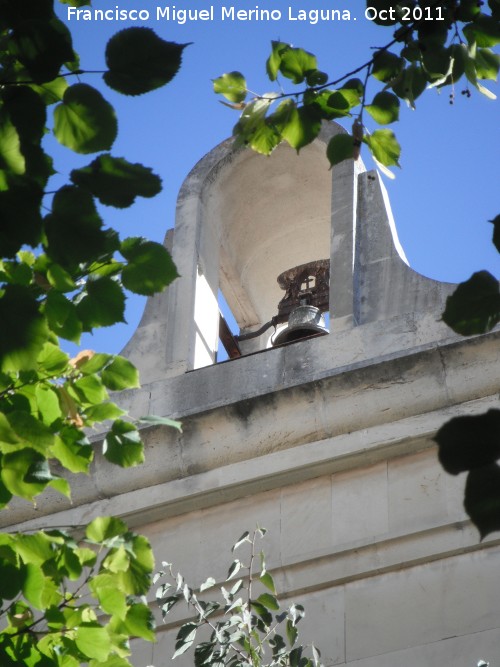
column 382, row 558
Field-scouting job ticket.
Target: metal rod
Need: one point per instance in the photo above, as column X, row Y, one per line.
column 254, row 334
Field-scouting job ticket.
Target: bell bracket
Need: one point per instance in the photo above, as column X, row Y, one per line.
column 306, row 284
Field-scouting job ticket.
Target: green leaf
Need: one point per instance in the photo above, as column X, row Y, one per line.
column 474, row 307
column 411, row 84
column 384, row 147
column 469, row 64
column 5, row 495
column 316, row 656
column 84, row 121
column 438, row 64
column 149, row 266
column 117, row 182
column 60, row 278
column 482, row 499
column 7, row 433
column 296, row 613
column 72, row 449
column 386, row 66
column 74, row 229
column 469, row 442
column 340, row 148
column 24, row 329
column 47, row 400
column 136, row 580
column 122, row 445
column 93, row 641
column 52, row 359
column 154, row 420
column 291, row 632
column 316, row 78
column 269, row 601
column 62, row 317
column 245, row 538
column 12, row 578
column 111, row 598
column 487, row 64
column 140, row 622
column 103, row 411
column 207, row 584
column 340, row 102
column 384, row 109
column 251, row 120
column 120, row 374
column 35, row 549
column 232, row 86
column 39, row 471
column 274, row 61
column 302, row 127
column 18, row 273
column 40, row 591
column 233, row 569
column 104, row 528
column 31, row 430
column 51, row 92
column 185, row 638
column 262, row 611
column 117, row 560
column 88, row 390
column 102, row 305
column 11, row 156
column 467, row 10
column 268, row 582
column 484, row 31
column 266, row 135
column 139, row 61
column 28, row 113
column 21, row 201
column 168, row 603
column 296, row 63
column 41, row 46
column 95, row 363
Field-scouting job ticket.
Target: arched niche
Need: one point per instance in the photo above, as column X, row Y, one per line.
column 255, row 217
column 269, row 215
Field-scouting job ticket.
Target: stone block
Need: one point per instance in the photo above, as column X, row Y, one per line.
column 306, row 519
column 463, row 651
column 417, row 492
column 360, row 504
column 424, row 604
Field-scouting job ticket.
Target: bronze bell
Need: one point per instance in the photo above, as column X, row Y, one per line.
column 304, row 321
column 306, row 297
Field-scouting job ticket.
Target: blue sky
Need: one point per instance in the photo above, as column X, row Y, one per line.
column 447, row 188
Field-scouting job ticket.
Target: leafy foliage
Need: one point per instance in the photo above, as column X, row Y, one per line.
column 109, row 569
column 74, row 596
column 247, row 626
column 433, row 45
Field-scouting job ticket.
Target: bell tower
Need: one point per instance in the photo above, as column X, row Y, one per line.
column 244, row 225
column 327, row 441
